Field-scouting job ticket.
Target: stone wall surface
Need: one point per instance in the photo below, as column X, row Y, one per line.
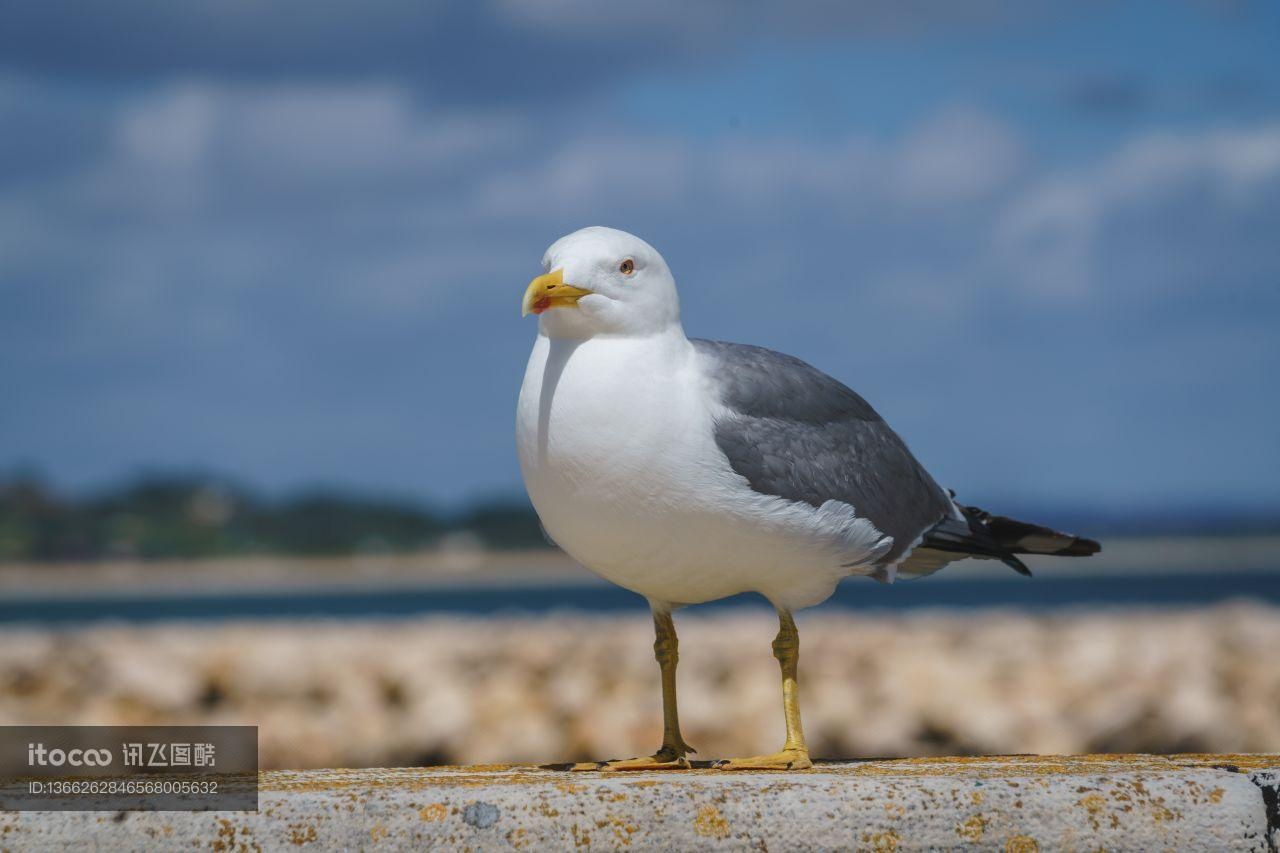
column 1010, row 803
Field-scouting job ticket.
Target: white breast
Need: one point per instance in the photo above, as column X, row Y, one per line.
column 616, row 444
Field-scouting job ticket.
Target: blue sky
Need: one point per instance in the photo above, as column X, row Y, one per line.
column 286, row 241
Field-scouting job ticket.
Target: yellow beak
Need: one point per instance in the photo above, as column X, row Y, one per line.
column 550, row 291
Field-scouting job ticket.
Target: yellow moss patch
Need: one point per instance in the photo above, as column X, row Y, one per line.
column 881, row 842
column 710, row 823
column 973, row 828
column 227, row 841
column 300, row 834
column 622, row 829
column 433, row 812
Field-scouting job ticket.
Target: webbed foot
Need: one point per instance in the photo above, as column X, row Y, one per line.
column 666, row 758
column 792, row 758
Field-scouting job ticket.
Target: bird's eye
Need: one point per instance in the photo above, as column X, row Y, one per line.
column 627, row 267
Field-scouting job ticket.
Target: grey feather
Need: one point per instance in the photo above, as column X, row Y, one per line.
column 794, row 432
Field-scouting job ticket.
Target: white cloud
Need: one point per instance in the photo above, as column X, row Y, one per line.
column 954, row 159
column 586, row 171
column 1235, row 162
column 202, row 200
column 191, row 144
column 358, row 132
column 1045, row 242
column 764, row 171
column 959, row 156
column 1048, row 237
column 709, row 25
column 230, row 177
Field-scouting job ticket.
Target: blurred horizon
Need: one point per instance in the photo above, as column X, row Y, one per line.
column 287, row 242
column 165, row 515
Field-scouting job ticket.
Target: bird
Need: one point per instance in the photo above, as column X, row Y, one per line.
column 690, row 470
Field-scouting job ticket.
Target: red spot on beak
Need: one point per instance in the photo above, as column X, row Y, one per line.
column 542, row 305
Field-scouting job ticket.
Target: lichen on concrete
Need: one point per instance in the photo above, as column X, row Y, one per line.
column 1012, row 803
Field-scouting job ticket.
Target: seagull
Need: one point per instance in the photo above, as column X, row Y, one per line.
column 689, row 470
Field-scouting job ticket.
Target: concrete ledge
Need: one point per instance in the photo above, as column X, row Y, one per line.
column 1012, row 803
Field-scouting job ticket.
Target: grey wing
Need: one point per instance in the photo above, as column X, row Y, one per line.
column 799, row 434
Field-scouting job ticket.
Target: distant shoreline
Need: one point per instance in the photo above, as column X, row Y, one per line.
column 479, row 569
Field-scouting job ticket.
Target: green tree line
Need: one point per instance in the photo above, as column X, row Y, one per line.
column 182, row 516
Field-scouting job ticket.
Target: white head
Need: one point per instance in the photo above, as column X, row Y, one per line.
column 601, row 281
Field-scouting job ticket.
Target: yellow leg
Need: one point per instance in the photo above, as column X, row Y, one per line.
column 794, row 754
column 671, row 756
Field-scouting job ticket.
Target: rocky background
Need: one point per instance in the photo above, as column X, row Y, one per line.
column 560, row 688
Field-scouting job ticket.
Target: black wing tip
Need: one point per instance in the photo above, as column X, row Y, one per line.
column 1081, row 547
column 1024, row 537
column 1074, row 546
column 1016, row 564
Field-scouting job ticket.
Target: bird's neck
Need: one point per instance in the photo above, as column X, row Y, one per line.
column 598, row 316
column 568, row 327
column 660, row 351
